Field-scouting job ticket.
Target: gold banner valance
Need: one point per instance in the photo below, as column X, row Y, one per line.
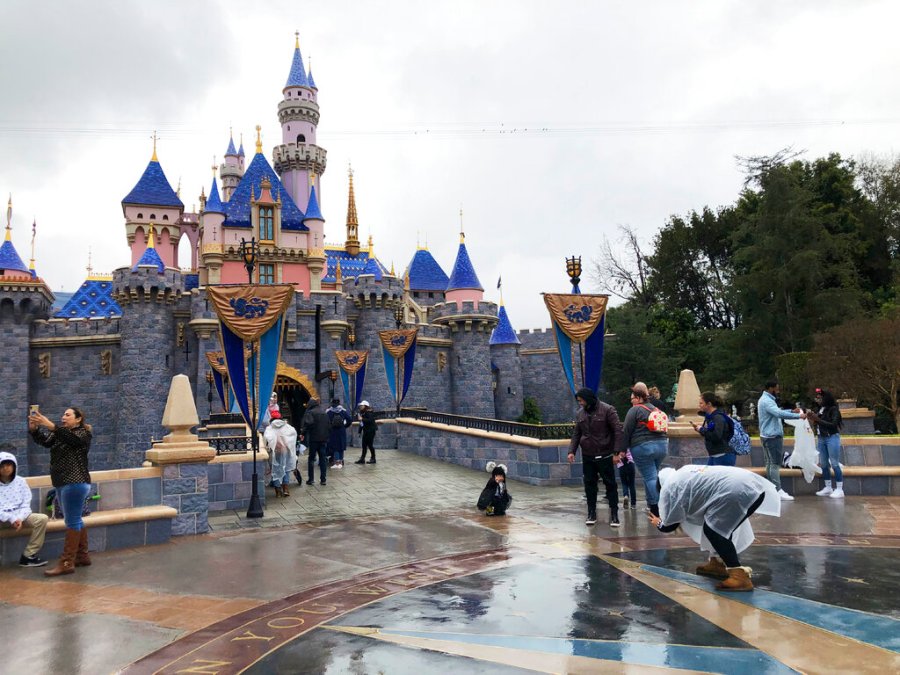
column 577, row 315
column 249, row 311
column 351, row 361
column 398, row 342
column 216, row 360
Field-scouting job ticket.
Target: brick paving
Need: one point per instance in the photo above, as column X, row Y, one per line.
column 400, row 484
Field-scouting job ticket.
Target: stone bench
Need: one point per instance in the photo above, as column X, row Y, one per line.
column 107, row 530
column 858, row 480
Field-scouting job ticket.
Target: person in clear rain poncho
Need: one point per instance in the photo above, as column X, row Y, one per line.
column 281, row 440
column 712, row 505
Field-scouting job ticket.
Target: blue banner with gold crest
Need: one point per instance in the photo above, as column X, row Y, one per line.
column 579, row 321
column 352, row 364
column 399, row 350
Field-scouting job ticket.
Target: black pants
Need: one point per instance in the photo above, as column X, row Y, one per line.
column 368, row 440
column 596, row 469
column 723, row 546
column 626, row 473
column 317, row 448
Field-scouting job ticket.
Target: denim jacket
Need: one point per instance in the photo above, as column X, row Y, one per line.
column 770, row 416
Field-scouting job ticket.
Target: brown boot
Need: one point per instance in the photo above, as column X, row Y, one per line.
column 66, row 564
column 284, row 490
column 82, row 559
column 714, row 568
column 278, row 492
column 738, row 580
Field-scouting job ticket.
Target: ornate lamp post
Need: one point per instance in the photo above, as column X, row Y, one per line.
column 573, row 269
column 249, row 251
column 209, row 384
column 398, row 319
column 333, row 377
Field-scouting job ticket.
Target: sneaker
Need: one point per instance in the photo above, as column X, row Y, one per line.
column 825, row 491
column 837, row 494
column 371, row 461
column 309, row 482
column 625, row 504
column 321, row 482
column 31, row 561
column 785, row 497
column 614, row 520
column 591, row 519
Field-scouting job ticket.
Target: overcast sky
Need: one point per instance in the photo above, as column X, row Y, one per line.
column 550, row 124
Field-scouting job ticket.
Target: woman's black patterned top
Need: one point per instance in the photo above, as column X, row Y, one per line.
column 68, row 454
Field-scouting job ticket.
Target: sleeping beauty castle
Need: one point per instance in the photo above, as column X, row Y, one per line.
column 115, row 345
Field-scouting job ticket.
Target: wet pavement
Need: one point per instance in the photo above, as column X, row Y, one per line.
column 390, row 569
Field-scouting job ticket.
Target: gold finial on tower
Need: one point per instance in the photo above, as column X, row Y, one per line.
column 178, row 189
column 338, row 275
column 351, row 245
column 296, row 39
column 90, row 266
column 33, row 235
column 214, row 167
column 258, row 140
column 371, row 247
column 393, row 274
column 9, row 218
column 462, row 232
column 155, row 138
column 150, row 241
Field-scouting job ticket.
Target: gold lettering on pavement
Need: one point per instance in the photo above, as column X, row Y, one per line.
column 251, row 636
column 206, row 667
column 299, row 622
column 368, row 590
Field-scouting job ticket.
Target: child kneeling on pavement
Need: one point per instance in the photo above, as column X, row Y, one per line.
column 15, row 510
column 495, row 498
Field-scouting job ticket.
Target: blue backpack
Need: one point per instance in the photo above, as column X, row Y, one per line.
column 740, row 440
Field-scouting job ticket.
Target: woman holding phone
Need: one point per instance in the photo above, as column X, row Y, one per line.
column 69, row 443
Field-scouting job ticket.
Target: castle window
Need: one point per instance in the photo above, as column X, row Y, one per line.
column 152, row 216
column 431, row 295
column 301, row 138
column 266, row 274
column 140, row 215
column 266, row 223
column 415, row 294
column 165, row 217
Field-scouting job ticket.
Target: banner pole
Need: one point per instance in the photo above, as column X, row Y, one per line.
column 254, row 509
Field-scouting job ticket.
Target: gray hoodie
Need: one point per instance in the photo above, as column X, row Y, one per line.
column 15, row 496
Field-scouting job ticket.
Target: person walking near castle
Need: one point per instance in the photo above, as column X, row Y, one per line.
column 339, row 419
column 15, row 510
column 598, row 433
column 828, row 423
column 69, row 444
column 647, row 441
column 771, row 433
column 315, row 434
column 369, row 428
column 717, row 429
column 281, row 440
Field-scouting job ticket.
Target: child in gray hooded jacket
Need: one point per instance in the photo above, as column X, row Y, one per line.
column 15, row 510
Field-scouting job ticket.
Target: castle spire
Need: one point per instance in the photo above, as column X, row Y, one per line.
column 9, row 219
column 352, row 243
column 33, row 235
column 338, row 274
column 297, row 76
column 90, row 267
column 462, row 231
column 258, row 140
column 154, row 159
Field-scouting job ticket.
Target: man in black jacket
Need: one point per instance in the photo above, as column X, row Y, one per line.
column 369, row 427
column 599, row 433
column 316, row 428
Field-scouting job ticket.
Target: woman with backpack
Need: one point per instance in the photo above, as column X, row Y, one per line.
column 645, row 434
column 338, row 420
column 828, row 423
column 717, row 430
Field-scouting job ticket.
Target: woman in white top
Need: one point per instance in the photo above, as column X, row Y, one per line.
column 712, row 505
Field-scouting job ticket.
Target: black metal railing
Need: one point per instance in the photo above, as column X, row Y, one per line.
column 227, row 445
column 539, row 431
column 224, row 418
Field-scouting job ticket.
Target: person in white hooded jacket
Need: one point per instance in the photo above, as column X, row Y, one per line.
column 15, row 510
column 281, row 440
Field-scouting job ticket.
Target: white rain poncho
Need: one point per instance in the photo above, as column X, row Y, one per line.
column 719, row 496
column 281, row 440
column 805, row 456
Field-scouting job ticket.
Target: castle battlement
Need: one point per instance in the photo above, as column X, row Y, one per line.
column 469, row 316
column 49, row 328
column 147, row 283
column 432, row 331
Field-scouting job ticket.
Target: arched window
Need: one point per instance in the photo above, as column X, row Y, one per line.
column 165, row 217
column 140, row 215
column 301, row 138
column 266, row 223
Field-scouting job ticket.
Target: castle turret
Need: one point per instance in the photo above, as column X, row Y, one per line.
column 146, row 293
column 506, row 368
column 464, row 285
column 298, row 160
column 212, row 250
column 23, row 299
column 232, row 169
column 153, row 200
column 427, row 281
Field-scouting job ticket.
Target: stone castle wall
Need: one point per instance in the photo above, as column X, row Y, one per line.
column 543, row 378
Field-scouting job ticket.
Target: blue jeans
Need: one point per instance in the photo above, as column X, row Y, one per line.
column 728, row 459
column 648, row 457
column 830, row 453
column 71, row 498
column 773, row 450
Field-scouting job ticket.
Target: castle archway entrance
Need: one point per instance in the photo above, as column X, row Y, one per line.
column 294, row 390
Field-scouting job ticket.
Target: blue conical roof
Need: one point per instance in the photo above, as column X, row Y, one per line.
column 237, row 209
column 230, row 149
column 150, row 258
column 94, row 298
column 153, row 189
column 297, row 76
column 425, row 274
column 241, row 150
column 312, row 208
column 10, row 260
column 213, row 202
column 463, row 274
column 503, row 333
column 372, row 267
column 312, row 82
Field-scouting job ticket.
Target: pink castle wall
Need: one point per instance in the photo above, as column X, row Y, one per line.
column 465, row 295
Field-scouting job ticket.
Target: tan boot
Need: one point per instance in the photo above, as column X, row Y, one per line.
column 82, row 559
column 714, row 568
column 66, row 564
column 278, row 492
column 738, row 580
